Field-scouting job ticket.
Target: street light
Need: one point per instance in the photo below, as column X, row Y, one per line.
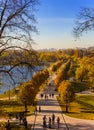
column 66, row 100
column 25, row 104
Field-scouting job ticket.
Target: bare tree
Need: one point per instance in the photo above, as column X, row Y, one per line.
column 17, row 22
column 84, row 22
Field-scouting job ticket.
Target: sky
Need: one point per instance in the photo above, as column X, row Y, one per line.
column 56, row 19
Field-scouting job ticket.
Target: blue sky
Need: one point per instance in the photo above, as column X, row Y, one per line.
column 55, row 24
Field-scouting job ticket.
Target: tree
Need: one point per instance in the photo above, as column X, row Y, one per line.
column 30, row 88
column 27, row 94
column 67, row 93
column 63, row 73
column 16, row 16
column 84, row 21
column 17, row 22
column 91, row 75
column 82, row 73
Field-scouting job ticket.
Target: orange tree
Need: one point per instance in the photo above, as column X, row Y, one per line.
column 67, row 93
column 57, row 65
column 62, row 75
column 29, row 89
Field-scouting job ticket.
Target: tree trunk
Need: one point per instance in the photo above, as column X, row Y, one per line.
column 66, row 108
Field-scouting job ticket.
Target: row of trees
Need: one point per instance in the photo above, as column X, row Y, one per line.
column 75, row 75
column 62, row 75
column 29, row 89
column 63, row 85
column 57, row 65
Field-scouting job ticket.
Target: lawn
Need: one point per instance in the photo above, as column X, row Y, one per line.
column 82, row 107
column 13, row 108
column 14, row 127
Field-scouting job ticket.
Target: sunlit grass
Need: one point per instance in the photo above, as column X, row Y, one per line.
column 14, row 126
column 13, row 107
column 82, row 107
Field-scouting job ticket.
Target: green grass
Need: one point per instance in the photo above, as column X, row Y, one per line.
column 13, row 107
column 14, row 126
column 82, row 107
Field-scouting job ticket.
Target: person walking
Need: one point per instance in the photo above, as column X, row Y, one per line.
column 45, row 97
column 53, row 118
column 8, row 127
column 41, row 95
column 44, row 121
column 49, row 122
column 25, row 123
column 39, row 108
column 52, row 95
column 58, row 121
column 36, row 110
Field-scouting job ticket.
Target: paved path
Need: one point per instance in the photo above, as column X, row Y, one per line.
column 50, row 106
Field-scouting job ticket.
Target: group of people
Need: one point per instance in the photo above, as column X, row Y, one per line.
column 51, row 121
column 51, row 95
column 38, row 109
column 8, row 126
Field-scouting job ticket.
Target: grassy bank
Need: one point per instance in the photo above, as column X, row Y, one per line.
column 14, row 126
column 13, row 108
column 82, row 107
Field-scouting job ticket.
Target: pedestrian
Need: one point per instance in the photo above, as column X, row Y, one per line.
column 49, row 122
column 25, row 123
column 52, row 95
column 8, row 127
column 36, row 109
column 44, row 121
column 44, row 118
column 21, row 116
column 53, row 118
column 39, row 108
column 41, row 95
column 45, row 96
column 58, row 121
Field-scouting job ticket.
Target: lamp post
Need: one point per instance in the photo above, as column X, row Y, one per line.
column 25, row 104
column 66, row 100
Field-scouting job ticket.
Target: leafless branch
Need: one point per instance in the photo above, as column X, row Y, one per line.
column 84, row 22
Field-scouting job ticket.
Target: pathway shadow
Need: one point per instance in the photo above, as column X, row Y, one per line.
column 50, row 111
column 53, row 127
column 48, row 103
column 88, row 111
column 78, row 126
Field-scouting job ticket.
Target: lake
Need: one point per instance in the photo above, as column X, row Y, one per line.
column 19, row 75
